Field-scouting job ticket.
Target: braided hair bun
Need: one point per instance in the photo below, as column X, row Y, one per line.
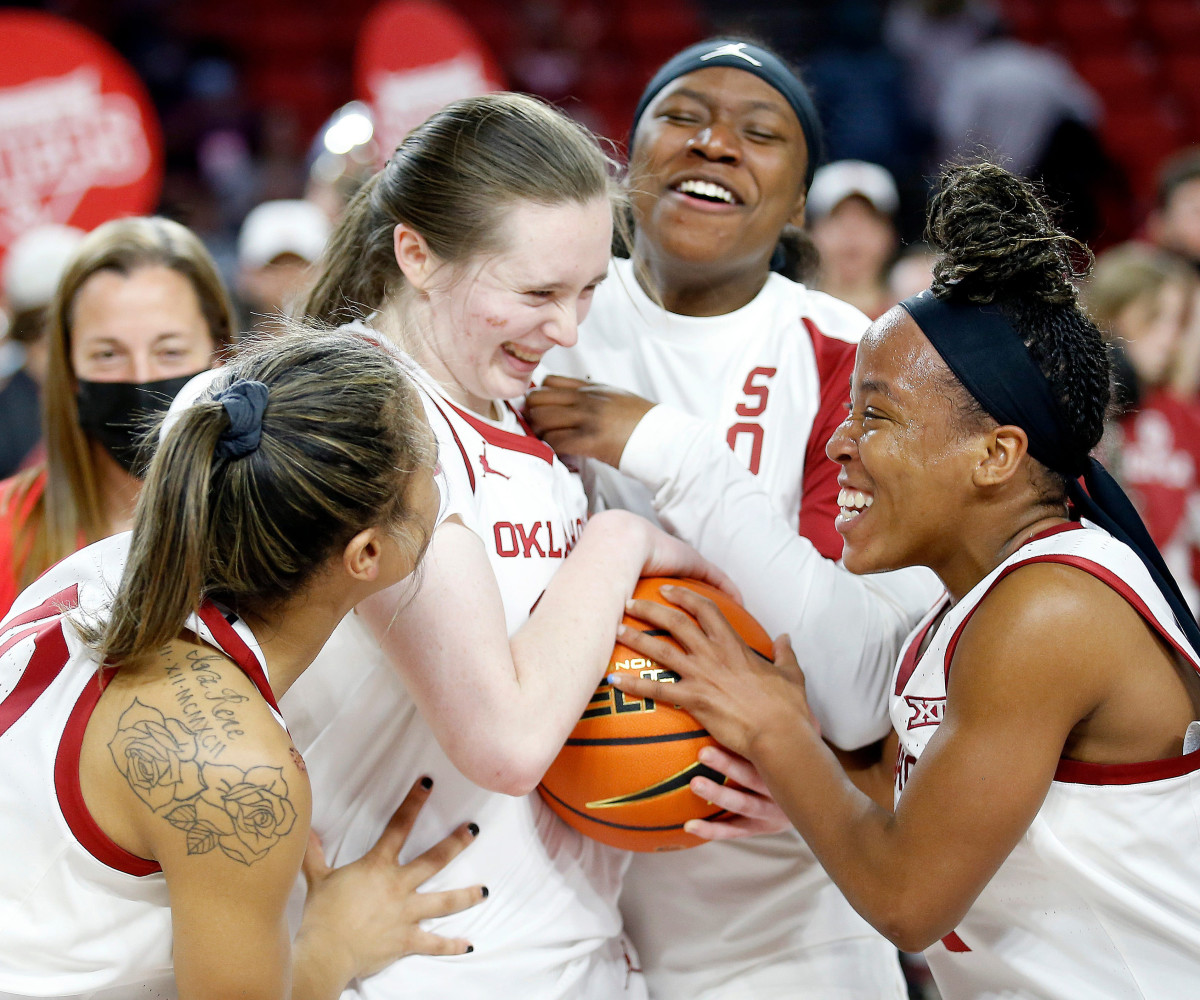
column 997, row 239
column 999, row 246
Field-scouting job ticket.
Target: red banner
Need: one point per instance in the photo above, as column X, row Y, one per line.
column 412, row 60
column 79, row 140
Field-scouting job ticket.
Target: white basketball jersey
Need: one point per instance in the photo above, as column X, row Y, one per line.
column 752, row 918
column 550, row 927
column 1101, row 896
column 79, row 916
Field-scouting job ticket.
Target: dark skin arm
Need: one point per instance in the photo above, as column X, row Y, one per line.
column 581, row 418
column 1043, row 657
column 585, row 419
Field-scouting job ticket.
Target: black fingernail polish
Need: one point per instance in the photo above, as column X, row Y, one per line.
column 484, row 892
column 427, row 782
column 474, row 828
column 470, row 948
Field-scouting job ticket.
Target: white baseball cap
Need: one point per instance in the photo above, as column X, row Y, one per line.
column 278, row 227
column 835, row 182
column 36, row 261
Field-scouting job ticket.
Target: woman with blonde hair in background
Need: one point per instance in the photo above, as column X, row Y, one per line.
column 139, row 311
column 1145, row 301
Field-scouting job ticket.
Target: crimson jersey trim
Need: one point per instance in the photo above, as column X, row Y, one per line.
column 70, row 795
column 457, row 440
column 818, row 506
column 1079, row 772
column 508, row 440
column 40, row 672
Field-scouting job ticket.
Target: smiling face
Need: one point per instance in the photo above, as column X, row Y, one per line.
column 718, row 170
column 906, row 456
column 144, row 326
column 491, row 318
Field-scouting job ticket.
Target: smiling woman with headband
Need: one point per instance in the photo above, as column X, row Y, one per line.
column 153, row 810
column 749, row 371
column 1044, row 842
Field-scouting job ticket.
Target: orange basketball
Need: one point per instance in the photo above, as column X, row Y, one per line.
column 622, row 777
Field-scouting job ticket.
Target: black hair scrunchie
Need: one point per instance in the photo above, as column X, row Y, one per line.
column 245, row 401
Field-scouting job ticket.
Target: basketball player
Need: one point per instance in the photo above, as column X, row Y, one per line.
column 153, row 811
column 737, row 357
column 477, row 248
column 1044, row 843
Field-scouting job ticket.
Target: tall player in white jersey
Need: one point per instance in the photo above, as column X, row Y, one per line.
column 153, row 810
column 750, row 371
column 477, row 248
column 1044, row 844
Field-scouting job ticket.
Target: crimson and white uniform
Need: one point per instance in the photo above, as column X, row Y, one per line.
column 79, row 916
column 1101, row 896
column 550, row 927
column 759, row 917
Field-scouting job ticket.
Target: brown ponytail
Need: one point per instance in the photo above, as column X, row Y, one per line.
column 342, row 434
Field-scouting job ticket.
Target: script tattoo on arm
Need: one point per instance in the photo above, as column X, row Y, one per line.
column 172, row 765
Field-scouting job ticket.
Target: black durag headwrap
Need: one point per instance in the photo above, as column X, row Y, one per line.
column 990, row 359
column 752, row 59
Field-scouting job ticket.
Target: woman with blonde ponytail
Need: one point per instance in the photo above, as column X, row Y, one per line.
column 153, row 809
column 476, row 249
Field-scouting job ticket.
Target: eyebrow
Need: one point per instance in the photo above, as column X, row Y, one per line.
column 557, row 285
column 752, row 105
column 874, row 385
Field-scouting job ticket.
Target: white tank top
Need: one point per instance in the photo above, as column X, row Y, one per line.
column 550, row 927
column 1101, row 896
column 79, row 916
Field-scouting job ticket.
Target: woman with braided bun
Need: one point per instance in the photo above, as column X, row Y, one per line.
column 153, row 810
column 1044, row 842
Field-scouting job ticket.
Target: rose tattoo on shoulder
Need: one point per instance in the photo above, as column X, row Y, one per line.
column 157, row 755
column 242, row 812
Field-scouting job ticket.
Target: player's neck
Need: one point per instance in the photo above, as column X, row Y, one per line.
column 688, row 289
column 987, row 549
column 118, row 489
column 292, row 633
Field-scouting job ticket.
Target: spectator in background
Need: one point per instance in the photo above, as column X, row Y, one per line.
column 1175, row 222
column 1144, row 299
column 140, row 309
column 912, row 273
column 851, row 206
column 278, row 243
column 35, row 262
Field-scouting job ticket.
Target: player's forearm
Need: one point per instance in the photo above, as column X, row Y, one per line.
column 858, row 843
column 318, row 972
column 560, row 654
column 846, row 630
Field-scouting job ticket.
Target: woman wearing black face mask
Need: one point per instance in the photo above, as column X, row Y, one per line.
column 139, row 311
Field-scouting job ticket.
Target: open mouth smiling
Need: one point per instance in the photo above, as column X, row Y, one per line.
column 852, row 503
column 707, row 191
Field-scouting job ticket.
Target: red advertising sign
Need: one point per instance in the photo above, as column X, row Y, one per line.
column 413, row 59
column 79, row 140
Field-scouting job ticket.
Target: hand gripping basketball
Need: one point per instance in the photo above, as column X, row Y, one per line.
column 624, row 776
column 736, row 691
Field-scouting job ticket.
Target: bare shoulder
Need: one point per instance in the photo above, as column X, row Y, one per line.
column 1051, row 634
column 185, row 757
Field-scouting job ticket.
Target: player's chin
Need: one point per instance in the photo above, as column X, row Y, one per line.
column 859, row 559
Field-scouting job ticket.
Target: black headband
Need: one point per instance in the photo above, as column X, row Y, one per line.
column 752, row 59
column 990, row 359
